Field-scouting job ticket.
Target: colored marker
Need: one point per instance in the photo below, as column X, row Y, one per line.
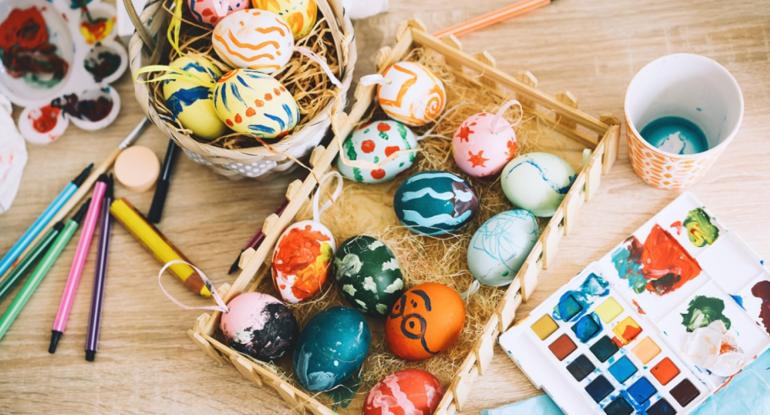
column 161, row 189
column 101, row 272
column 158, row 245
column 29, row 260
column 40, row 271
column 40, row 223
column 78, row 263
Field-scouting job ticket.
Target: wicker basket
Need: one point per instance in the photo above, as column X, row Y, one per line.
column 563, row 121
column 147, row 47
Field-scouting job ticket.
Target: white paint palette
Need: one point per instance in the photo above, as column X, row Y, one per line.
column 656, row 326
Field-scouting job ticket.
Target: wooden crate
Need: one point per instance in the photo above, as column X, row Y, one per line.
column 560, row 113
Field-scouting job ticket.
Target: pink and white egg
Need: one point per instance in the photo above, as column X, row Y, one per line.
column 210, row 12
column 259, row 325
column 406, row 392
column 483, row 144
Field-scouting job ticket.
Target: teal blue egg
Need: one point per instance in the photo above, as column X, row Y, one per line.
column 435, row 203
column 537, row 182
column 331, row 348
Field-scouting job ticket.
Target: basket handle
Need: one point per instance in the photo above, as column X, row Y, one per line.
column 137, row 22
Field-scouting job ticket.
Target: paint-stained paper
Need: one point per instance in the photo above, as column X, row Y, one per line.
column 13, row 156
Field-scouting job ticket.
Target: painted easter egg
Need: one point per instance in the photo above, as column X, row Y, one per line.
column 412, row 94
column 259, row 325
column 409, row 391
column 368, row 274
column 300, row 15
column 537, row 182
column 424, row 321
column 435, row 203
column 301, row 260
column 331, row 348
column 500, row 246
column 254, row 39
column 210, row 12
column 368, row 151
column 251, row 102
column 191, row 103
column 483, row 144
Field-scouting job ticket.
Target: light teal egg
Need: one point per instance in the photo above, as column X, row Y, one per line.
column 501, row 245
column 537, row 182
column 368, row 151
column 331, row 348
column 435, row 203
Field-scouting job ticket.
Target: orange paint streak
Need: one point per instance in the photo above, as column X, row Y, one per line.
column 219, row 38
column 258, row 46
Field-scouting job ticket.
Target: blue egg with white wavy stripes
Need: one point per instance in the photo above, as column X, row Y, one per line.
column 331, row 348
column 435, row 203
column 501, row 245
column 537, row 182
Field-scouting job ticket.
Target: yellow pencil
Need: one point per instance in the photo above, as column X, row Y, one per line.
column 157, row 244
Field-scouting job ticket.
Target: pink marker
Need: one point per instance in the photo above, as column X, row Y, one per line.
column 78, row 263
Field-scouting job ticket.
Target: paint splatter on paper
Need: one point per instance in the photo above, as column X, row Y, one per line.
column 761, row 290
column 700, row 230
column 702, row 311
column 660, row 265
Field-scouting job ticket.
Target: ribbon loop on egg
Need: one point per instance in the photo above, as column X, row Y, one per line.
column 501, row 113
column 369, row 80
column 317, row 211
column 221, row 306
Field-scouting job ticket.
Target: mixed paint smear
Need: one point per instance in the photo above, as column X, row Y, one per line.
column 700, row 230
column 574, row 303
column 703, row 311
column 660, row 265
column 94, row 110
column 761, row 290
column 709, row 343
column 102, row 62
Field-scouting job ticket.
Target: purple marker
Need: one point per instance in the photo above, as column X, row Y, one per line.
column 101, row 272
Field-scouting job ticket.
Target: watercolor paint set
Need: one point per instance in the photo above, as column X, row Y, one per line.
column 656, row 326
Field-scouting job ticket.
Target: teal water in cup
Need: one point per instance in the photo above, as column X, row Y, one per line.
column 675, row 135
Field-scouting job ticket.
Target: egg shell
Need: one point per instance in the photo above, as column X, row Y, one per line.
column 253, row 39
column 411, row 94
column 537, row 182
column 435, row 203
column 331, row 348
column 301, row 260
column 424, row 321
column 373, row 144
column 251, row 102
column 300, row 15
column 483, row 144
column 210, row 12
column 409, row 391
column 191, row 103
column 368, row 274
column 260, row 326
column 501, row 245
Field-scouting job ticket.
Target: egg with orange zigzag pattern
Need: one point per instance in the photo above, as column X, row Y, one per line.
column 412, row 94
column 300, row 15
column 251, row 102
column 254, row 39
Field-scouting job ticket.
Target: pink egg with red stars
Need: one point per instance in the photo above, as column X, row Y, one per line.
column 484, row 144
column 210, row 12
column 406, row 392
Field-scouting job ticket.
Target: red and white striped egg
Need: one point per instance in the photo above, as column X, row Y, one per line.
column 483, row 144
column 406, row 392
column 254, row 39
column 210, row 12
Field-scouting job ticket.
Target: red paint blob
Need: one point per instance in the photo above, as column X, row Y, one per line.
column 367, row 146
column 47, row 120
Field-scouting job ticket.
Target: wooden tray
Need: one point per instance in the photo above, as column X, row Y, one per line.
column 563, row 120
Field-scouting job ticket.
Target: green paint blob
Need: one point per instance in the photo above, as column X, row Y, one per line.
column 675, row 135
column 700, row 230
column 703, row 311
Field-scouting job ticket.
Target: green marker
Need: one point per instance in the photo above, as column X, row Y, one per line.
column 30, row 259
column 45, row 265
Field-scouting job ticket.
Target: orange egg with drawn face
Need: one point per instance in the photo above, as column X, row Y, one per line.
column 424, row 321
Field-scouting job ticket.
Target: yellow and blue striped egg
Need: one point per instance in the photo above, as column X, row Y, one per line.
column 300, row 15
column 251, row 102
column 253, row 39
column 191, row 103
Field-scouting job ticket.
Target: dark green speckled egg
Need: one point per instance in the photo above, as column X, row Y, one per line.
column 368, row 274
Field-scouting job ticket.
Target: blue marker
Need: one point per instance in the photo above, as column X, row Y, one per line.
column 42, row 221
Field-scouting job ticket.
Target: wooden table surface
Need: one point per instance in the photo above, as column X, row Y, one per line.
column 147, row 364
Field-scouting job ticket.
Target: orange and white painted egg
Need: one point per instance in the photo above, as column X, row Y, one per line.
column 412, row 94
column 484, row 144
column 210, row 12
column 254, row 39
column 251, row 102
column 301, row 260
column 300, row 15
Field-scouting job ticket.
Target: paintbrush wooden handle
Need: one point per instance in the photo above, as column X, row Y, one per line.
column 496, row 16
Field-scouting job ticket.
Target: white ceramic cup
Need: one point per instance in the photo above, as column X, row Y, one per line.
column 692, row 87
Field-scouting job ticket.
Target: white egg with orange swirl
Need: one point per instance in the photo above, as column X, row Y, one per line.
column 253, row 39
column 411, row 93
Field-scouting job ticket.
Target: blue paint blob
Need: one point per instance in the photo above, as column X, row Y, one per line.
column 623, row 369
column 568, row 307
column 604, row 348
column 182, row 98
column 662, row 407
column 641, row 391
column 574, row 303
column 738, row 300
column 619, row 406
column 675, row 135
column 580, row 367
column 587, row 327
column 599, row 388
